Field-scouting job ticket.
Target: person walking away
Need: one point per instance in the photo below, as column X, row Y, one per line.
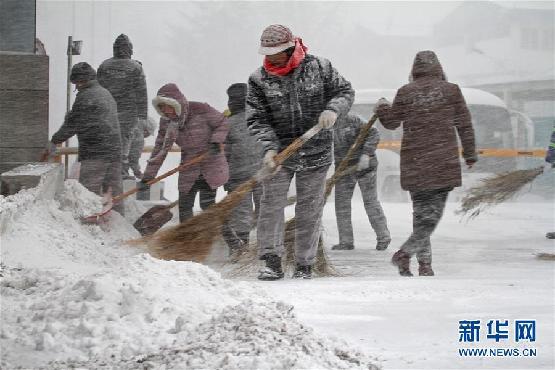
column 346, row 132
column 244, row 156
column 93, row 118
column 292, row 92
column 144, row 129
column 125, row 79
column 432, row 112
column 196, row 128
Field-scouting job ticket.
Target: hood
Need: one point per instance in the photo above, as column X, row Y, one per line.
column 426, row 64
column 169, row 94
column 123, row 48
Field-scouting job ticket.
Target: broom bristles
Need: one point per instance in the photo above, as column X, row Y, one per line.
column 192, row 240
column 496, row 189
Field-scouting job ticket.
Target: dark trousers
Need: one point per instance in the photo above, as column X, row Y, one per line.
column 427, row 209
column 207, row 197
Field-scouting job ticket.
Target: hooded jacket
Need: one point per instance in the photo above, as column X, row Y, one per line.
column 199, row 125
column 282, row 108
column 93, row 118
column 432, row 112
column 125, row 80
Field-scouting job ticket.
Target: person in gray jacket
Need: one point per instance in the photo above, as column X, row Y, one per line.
column 244, row 156
column 291, row 93
column 346, row 132
column 144, row 129
column 125, row 79
column 93, row 118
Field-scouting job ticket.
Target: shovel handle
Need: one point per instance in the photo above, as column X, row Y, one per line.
column 182, row 166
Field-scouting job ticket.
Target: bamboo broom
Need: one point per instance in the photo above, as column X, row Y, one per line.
column 192, row 240
column 246, row 261
column 496, row 189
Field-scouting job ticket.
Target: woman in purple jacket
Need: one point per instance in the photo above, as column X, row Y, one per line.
column 196, row 128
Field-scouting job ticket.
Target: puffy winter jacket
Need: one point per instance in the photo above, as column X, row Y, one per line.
column 244, row 153
column 432, row 112
column 346, row 131
column 125, row 79
column 199, row 126
column 282, row 108
column 93, row 118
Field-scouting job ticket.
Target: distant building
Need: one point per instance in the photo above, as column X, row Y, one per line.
column 507, row 51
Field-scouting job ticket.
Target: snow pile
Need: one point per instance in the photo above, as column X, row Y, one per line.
column 74, row 295
column 250, row 335
column 118, row 316
column 116, row 312
column 48, row 233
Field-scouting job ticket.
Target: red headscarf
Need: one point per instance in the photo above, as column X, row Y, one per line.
column 293, row 62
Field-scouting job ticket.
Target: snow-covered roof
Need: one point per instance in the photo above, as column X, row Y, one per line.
column 472, row 96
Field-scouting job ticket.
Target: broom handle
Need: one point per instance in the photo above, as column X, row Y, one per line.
column 342, row 170
column 182, row 166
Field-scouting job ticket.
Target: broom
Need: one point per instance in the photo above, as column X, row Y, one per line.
column 246, row 261
column 496, row 189
column 192, row 239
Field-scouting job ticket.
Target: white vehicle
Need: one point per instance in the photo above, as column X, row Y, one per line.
column 495, row 128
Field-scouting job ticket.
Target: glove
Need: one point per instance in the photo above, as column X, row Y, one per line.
column 327, row 119
column 142, row 185
column 382, row 102
column 470, row 162
column 367, row 162
column 548, row 167
column 268, row 160
column 214, row 149
column 51, row 148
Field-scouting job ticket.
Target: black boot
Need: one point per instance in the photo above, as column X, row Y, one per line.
column 343, row 247
column 303, row 272
column 273, row 270
column 383, row 244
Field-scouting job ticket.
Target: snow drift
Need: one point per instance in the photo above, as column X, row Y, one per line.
column 75, row 295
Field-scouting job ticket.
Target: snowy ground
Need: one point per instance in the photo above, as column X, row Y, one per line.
column 75, row 295
column 486, row 269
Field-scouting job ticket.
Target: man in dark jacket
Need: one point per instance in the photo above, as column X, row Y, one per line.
column 432, row 112
column 125, row 80
column 93, row 118
column 244, row 156
column 345, row 135
column 292, row 92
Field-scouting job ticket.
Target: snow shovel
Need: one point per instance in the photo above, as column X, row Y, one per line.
column 153, row 219
column 97, row 217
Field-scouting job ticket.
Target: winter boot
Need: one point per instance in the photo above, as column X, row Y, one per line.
column 383, row 244
column 273, row 270
column 425, row 269
column 550, row 235
column 303, row 272
column 402, row 261
column 343, row 247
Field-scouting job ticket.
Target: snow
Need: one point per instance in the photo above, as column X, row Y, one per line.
column 486, row 269
column 77, row 295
